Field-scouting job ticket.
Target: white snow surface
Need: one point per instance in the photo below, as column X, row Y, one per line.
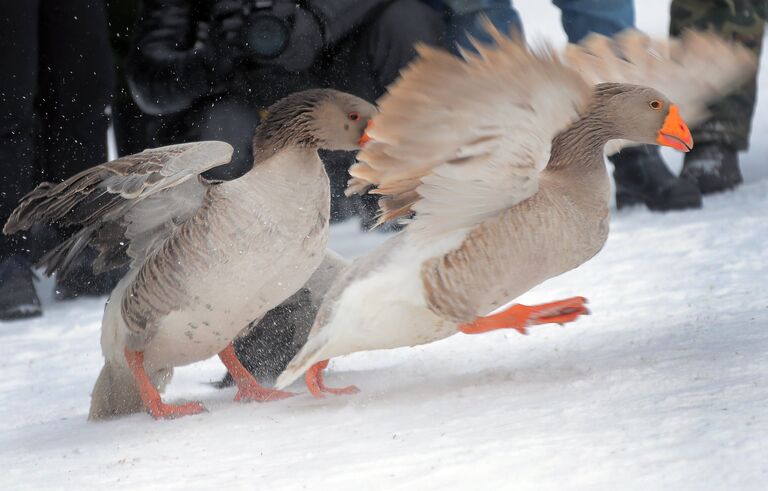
column 665, row 386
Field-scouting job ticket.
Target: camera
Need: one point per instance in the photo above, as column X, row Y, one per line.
column 265, row 36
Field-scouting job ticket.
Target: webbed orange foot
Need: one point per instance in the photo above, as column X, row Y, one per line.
column 258, row 393
column 149, row 394
column 316, row 384
column 248, row 389
column 161, row 410
column 521, row 317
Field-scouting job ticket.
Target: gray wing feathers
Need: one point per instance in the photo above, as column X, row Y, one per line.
column 152, row 220
column 124, row 207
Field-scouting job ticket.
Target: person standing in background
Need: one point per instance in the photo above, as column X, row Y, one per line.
column 211, row 67
column 640, row 173
column 133, row 128
column 55, row 88
column 714, row 161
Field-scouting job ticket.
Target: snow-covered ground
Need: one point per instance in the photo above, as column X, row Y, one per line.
column 665, row 386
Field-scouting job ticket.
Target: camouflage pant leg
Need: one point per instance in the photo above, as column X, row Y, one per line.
column 739, row 20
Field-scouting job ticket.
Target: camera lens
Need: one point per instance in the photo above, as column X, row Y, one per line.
column 267, row 36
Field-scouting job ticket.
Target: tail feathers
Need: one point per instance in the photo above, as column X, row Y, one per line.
column 116, row 393
column 310, row 354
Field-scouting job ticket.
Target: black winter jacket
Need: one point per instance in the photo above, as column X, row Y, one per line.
column 172, row 66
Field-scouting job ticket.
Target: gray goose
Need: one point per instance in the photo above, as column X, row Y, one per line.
column 499, row 158
column 206, row 258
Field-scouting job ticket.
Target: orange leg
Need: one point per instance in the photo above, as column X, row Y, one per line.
column 151, row 397
column 316, row 384
column 247, row 387
column 520, row 317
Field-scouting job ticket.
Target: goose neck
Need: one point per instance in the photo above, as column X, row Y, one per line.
column 582, row 143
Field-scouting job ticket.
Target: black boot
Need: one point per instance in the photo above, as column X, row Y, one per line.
column 642, row 177
column 714, row 166
column 18, row 298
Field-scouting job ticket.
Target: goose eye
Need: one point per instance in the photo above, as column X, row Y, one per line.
column 353, row 116
column 656, row 105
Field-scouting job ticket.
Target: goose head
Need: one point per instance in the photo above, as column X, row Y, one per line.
column 643, row 115
column 341, row 120
column 319, row 118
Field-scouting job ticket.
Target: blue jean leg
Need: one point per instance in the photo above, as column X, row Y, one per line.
column 579, row 18
column 607, row 17
column 501, row 14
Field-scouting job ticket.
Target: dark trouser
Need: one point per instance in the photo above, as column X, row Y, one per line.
column 369, row 60
column 739, row 20
column 55, row 86
column 130, row 124
column 362, row 64
column 132, row 127
column 579, row 18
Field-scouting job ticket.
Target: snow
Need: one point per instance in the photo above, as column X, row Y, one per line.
column 664, row 387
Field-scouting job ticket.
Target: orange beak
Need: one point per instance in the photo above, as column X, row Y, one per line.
column 365, row 138
column 675, row 133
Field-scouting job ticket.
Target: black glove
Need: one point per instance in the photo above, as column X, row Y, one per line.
column 306, row 38
column 222, row 40
column 227, row 22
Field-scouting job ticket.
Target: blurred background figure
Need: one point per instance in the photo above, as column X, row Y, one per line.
column 640, row 174
column 210, row 68
column 714, row 163
column 55, row 88
column 132, row 128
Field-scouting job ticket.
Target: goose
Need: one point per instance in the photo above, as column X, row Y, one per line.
column 498, row 159
column 206, row 258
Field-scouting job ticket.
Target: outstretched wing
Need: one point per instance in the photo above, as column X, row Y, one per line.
column 693, row 70
column 459, row 139
column 124, row 207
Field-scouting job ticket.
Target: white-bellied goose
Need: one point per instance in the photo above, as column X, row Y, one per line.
column 499, row 157
column 206, row 258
